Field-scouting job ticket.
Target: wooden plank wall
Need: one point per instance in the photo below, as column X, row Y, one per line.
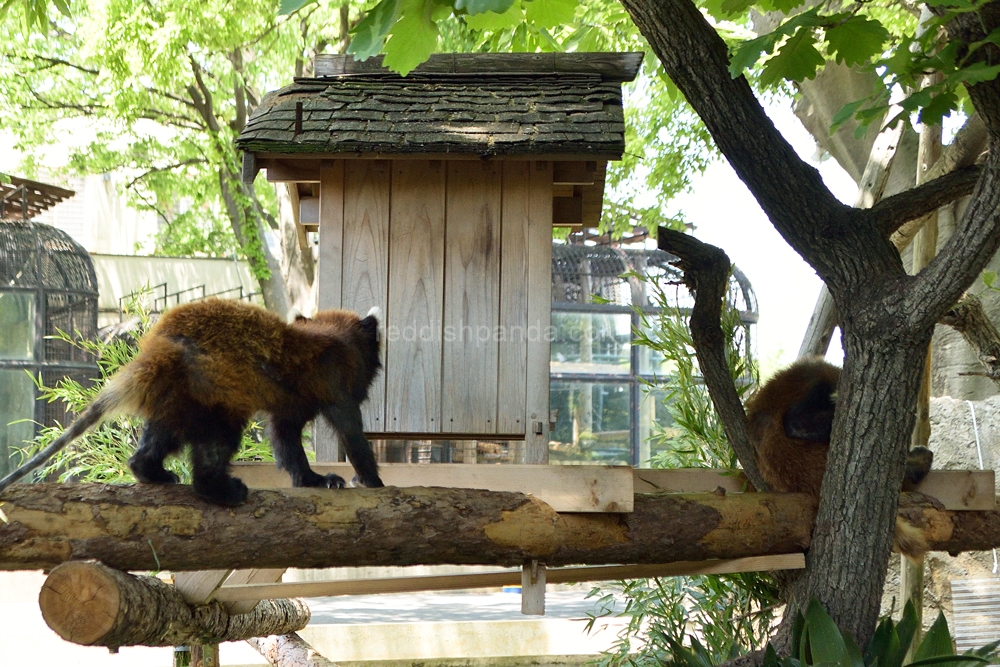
column 416, row 300
column 457, row 254
column 471, row 298
column 366, row 243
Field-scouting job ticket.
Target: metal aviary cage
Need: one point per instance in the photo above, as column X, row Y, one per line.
column 605, row 401
column 47, row 285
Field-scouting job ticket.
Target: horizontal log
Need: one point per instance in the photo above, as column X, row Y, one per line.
column 289, row 651
column 147, row 527
column 88, row 603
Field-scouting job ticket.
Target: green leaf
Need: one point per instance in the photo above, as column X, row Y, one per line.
column 845, row 114
column 473, row 7
column 493, row 21
column 797, row 60
column 370, row 32
column 289, row 6
column 730, row 8
column 825, row 641
column 857, row 40
column 748, row 53
column 905, row 630
column 936, row 642
column 414, row 37
column 550, row 13
column 939, row 107
column 978, row 73
column 989, row 278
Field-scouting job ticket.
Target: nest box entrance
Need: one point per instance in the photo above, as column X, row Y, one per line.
column 435, row 196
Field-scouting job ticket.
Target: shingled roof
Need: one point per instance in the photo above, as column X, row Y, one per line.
column 467, row 104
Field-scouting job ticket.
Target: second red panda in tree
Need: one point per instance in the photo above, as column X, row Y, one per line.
column 791, row 417
column 206, row 368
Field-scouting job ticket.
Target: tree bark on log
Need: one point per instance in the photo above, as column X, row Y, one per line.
column 91, row 604
column 969, row 319
column 146, row 527
column 149, row 527
column 289, row 651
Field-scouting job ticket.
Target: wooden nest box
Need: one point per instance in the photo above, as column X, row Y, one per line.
column 434, row 196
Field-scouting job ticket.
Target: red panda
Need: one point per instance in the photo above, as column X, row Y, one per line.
column 207, row 367
column 790, row 419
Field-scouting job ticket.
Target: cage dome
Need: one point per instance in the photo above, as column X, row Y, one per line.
column 47, row 285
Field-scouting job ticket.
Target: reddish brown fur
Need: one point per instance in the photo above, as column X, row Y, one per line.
column 792, row 465
column 206, row 368
column 788, row 465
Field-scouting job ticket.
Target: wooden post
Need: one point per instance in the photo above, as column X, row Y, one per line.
column 533, row 588
column 911, row 573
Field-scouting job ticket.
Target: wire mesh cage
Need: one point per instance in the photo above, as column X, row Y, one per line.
column 606, row 393
column 47, row 286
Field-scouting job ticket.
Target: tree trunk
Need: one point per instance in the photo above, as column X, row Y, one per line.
column 249, row 228
column 91, row 604
column 853, row 534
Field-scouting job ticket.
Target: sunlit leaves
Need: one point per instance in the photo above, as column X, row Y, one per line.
column 474, row 7
column 797, row 60
column 34, row 14
column 497, row 21
column 370, row 33
column 550, row 13
column 857, row 40
column 414, row 37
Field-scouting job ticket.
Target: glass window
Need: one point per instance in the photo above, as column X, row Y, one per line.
column 17, row 402
column 592, row 343
column 17, row 325
column 592, row 422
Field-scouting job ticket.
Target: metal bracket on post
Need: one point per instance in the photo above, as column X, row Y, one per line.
column 533, row 588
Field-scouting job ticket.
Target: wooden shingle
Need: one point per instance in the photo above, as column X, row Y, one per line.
column 481, row 105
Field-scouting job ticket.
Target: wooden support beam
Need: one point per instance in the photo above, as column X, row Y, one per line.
column 574, row 173
column 533, row 589
column 454, row 582
column 91, row 604
column 199, row 587
column 564, row 488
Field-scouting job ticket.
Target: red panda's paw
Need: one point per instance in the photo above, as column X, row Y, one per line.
column 370, row 482
column 332, row 481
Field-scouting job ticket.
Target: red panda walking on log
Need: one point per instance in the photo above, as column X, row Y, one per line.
column 207, row 367
column 791, row 417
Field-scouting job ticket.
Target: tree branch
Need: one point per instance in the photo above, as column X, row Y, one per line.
column 697, row 61
column 170, row 167
column 942, row 282
column 892, row 212
column 969, row 319
column 706, row 273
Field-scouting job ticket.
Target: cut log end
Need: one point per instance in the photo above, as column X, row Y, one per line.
column 80, row 603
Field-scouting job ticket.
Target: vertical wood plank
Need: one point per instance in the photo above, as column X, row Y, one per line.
column 366, row 258
column 416, row 297
column 329, row 275
column 539, row 313
column 512, row 375
column 331, row 233
column 471, row 303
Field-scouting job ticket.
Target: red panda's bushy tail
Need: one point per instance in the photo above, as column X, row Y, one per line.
column 117, row 394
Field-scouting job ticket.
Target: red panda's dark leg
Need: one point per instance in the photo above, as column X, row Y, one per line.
column 155, row 445
column 286, row 442
column 213, row 445
column 347, row 420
